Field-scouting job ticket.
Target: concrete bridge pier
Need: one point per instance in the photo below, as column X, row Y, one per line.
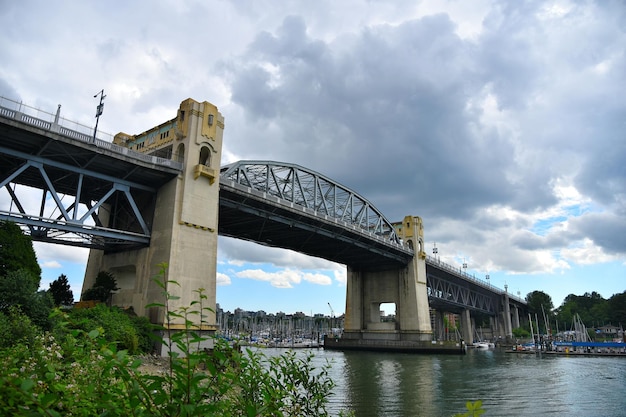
column 516, row 322
column 439, row 331
column 506, row 330
column 406, row 287
column 183, row 223
column 466, row 326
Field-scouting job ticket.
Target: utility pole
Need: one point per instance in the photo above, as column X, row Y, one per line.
column 99, row 111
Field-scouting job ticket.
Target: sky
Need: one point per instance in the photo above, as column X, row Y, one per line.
column 501, row 124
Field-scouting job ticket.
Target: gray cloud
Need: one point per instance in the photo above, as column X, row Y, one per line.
column 475, row 120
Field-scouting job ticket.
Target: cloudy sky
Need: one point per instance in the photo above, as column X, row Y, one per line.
column 500, row 123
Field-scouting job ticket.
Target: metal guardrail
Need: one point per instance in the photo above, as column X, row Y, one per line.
column 32, row 116
column 472, row 278
column 226, row 182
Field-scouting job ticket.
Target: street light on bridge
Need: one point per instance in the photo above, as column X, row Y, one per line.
column 487, row 278
column 435, row 251
column 99, row 111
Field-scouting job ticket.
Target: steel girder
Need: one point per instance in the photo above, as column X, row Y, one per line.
column 313, row 191
column 63, row 221
column 80, row 179
column 457, row 296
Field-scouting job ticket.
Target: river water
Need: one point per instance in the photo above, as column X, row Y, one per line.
column 509, row 384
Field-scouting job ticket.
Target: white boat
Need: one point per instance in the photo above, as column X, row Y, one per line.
column 484, row 345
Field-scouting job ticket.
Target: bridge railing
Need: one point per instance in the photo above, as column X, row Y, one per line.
column 457, row 270
column 41, row 119
column 328, row 218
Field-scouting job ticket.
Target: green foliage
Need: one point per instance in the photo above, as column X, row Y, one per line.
column 617, row 309
column 16, row 252
column 116, row 326
column 18, row 289
column 590, row 307
column 15, row 328
column 474, row 409
column 61, row 291
column 538, row 299
column 521, row 333
column 82, row 373
column 102, row 289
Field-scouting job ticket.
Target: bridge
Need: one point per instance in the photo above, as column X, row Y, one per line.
column 162, row 196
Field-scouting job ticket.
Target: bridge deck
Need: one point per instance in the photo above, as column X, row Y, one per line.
column 20, row 142
column 265, row 220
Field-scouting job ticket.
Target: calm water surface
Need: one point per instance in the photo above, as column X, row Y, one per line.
column 395, row 384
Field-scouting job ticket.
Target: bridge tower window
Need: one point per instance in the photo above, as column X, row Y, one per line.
column 205, row 156
column 410, row 244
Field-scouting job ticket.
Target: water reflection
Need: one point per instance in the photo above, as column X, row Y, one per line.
column 385, row 384
column 394, row 384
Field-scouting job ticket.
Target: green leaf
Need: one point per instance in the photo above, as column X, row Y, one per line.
column 27, row 384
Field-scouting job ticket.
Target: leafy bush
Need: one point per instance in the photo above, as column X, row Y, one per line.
column 521, row 333
column 16, row 327
column 103, row 287
column 84, row 374
column 116, row 326
column 19, row 289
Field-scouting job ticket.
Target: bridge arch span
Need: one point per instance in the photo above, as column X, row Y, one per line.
column 311, row 190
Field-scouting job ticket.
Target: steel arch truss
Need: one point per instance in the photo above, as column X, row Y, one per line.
column 77, row 221
column 459, row 296
column 309, row 189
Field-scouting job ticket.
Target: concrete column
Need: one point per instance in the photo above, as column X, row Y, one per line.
column 506, row 316
column 515, row 317
column 353, row 323
column 466, row 326
column 404, row 286
column 439, row 325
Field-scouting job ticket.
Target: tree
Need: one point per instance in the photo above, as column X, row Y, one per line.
column 61, row 291
column 16, row 251
column 102, row 289
column 20, row 275
column 538, row 299
column 592, row 309
column 617, row 309
column 540, row 303
column 18, row 290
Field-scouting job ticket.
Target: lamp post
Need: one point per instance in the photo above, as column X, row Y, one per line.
column 487, row 278
column 99, row 111
column 435, row 251
column 464, row 267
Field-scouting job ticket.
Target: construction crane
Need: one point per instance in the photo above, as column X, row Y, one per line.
column 332, row 313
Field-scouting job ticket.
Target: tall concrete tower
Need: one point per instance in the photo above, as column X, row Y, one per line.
column 184, row 219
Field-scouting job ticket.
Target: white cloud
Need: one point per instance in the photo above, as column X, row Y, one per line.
column 222, row 279
column 51, row 264
column 286, row 278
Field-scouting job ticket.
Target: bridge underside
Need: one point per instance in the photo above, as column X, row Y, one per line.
column 76, row 179
column 450, row 293
column 258, row 219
